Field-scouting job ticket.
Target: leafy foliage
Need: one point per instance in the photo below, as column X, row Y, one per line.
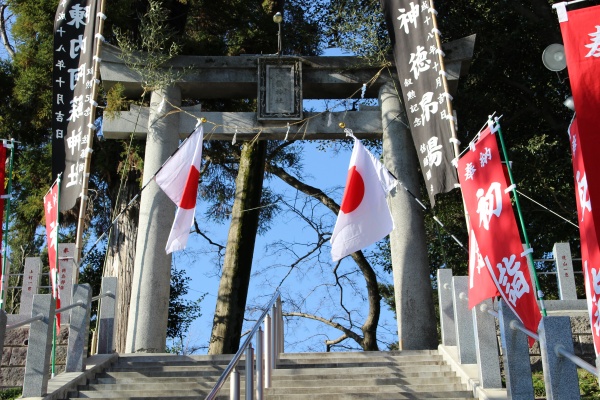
column 10, row 394
column 154, row 47
column 182, row 312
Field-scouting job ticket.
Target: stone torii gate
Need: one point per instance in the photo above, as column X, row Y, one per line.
column 238, row 77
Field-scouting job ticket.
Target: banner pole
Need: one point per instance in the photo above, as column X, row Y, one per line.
column 539, row 292
column 449, row 109
column 454, row 140
column 88, row 156
column 56, row 275
column 4, row 280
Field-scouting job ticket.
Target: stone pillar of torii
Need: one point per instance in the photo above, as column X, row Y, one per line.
column 238, row 77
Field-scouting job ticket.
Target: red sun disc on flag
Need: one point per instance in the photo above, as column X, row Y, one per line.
column 355, row 191
column 188, row 200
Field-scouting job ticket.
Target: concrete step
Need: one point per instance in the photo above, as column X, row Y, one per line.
column 361, row 354
column 415, row 389
column 145, row 364
column 360, row 380
column 160, row 373
column 158, row 357
column 325, row 380
column 143, row 397
column 367, row 375
column 374, row 396
column 163, row 394
column 412, row 361
column 384, row 369
column 148, row 386
column 442, row 372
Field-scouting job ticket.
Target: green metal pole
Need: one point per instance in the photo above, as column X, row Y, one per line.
column 540, row 293
column 6, row 221
column 54, row 347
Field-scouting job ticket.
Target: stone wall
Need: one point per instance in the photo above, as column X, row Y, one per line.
column 14, row 354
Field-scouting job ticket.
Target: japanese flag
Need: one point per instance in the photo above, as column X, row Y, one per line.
column 178, row 178
column 364, row 216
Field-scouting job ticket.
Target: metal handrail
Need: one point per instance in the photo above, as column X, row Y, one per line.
column 108, row 293
column 38, row 317
column 80, row 303
column 236, row 358
column 558, row 349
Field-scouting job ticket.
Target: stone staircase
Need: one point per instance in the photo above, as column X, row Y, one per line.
column 364, row 375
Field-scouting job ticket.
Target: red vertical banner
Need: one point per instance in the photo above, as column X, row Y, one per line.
column 495, row 266
column 590, row 253
column 581, row 36
column 51, row 212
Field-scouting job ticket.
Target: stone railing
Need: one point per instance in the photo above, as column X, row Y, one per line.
column 471, row 338
column 40, row 335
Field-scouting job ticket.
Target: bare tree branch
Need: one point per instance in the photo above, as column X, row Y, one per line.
column 209, row 240
column 337, row 282
column 304, row 188
column 333, row 342
column 370, row 326
column 352, row 335
column 4, row 32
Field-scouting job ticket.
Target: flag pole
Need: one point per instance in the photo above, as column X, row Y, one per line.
column 449, row 109
column 88, row 155
column 55, row 273
column 528, row 249
column 4, row 280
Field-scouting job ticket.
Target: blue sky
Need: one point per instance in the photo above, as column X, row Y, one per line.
column 310, row 285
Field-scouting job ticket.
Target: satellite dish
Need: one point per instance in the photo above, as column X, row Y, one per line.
column 553, row 57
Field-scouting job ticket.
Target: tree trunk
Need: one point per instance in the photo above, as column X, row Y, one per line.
column 120, row 255
column 233, row 288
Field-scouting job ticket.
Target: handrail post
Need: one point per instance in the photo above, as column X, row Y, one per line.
column 486, row 345
column 79, row 327
column 106, row 316
column 3, row 322
column 259, row 365
column 254, row 334
column 274, row 335
column 280, row 337
column 560, row 374
column 465, row 335
column 515, row 353
column 267, row 349
column 249, row 372
column 37, row 364
column 447, row 322
column 234, row 385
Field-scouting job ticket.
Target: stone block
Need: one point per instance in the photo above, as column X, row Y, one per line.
column 535, row 349
column 63, row 337
column 61, row 354
column 17, row 337
column 580, row 324
column 18, row 356
column 12, row 377
column 6, row 355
